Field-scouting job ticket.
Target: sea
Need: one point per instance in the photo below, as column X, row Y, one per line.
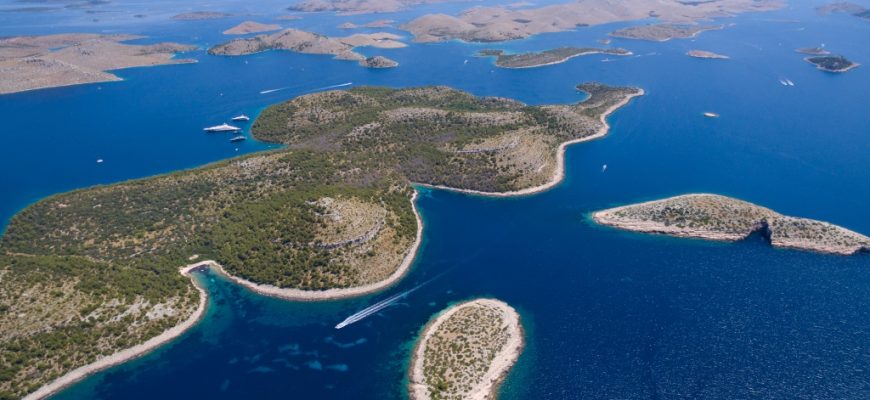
column 607, row 314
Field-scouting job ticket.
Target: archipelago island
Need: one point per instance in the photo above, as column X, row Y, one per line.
column 832, row 63
column 706, row 54
column 466, row 351
column 38, row 62
column 546, row 57
column 329, row 215
column 314, row 43
column 715, row 217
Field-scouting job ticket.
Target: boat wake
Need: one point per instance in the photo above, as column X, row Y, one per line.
column 374, row 308
column 267, row 91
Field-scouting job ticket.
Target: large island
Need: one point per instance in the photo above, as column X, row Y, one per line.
column 466, row 351
column 330, row 215
column 715, row 217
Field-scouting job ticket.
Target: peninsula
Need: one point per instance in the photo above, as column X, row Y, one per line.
column 853, row 9
column 329, row 215
column 466, row 351
column 494, row 24
column 706, row 54
column 662, row 32
column 38, row 62
column 715, row 217
column 248, row 27
column 832, row 63
column 546, row 57
column 311, row 43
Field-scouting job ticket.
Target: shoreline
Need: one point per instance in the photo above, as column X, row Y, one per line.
column 559, row 173
column 500, row 366
column 130, row 353
column 328, row 294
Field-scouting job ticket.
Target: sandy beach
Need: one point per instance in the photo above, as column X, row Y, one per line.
column 498, row 369
column 559, row 172
column 130, row 353
column 329, row 294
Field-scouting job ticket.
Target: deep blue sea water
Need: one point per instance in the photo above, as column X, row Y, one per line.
column 608, row 314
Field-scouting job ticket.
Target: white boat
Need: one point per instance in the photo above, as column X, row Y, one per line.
column 222, row 128
column 242, row 117
column 711, row 115
column 237, row 138
column 783, row 82
column 789, row 82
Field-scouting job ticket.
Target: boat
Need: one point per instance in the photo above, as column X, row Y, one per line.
column 789, row 82
column 711, row 115
column 604, row 168
column 242, row 117
column 237, row 138
column 222, row 128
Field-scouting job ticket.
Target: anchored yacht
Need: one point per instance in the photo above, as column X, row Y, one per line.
column 242, row 117
column 222, row 128
column 237, row 138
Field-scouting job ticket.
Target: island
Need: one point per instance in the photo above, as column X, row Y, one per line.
column 312, row 43
column 329, row 215
column 381, row 23
column 546, row 57
column 662, row 32
column 466, row 351
column 247, row 27
column 38, row 62
column 200, row 16
column 813, row 51
column 716, row 217
column 706, row 54
column 351, row 7
column 853, row 9
column 379, row 62
column 498, row 23
column 832, row 63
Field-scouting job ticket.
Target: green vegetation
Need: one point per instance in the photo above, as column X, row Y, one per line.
column 546, row 57
column 832, row 63
column 112, row 252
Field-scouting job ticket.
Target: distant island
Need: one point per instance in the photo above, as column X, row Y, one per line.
column 832, row 63
column 715, row 217
column 247, row 27
column 662, row 32
column 546, row 57
column 330, row 215
column 379, row 62
column 706, row 54
column 313, row 43
column 381, row 23
column 350, row 7
column 200, row 15
column 38, row 62
column 495, row 23
column 853, row 9
column 815, row 51
column 466, row 351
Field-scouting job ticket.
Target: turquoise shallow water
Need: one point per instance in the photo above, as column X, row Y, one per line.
column 608, row 314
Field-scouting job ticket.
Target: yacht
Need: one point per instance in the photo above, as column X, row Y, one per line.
column 237, row 138
column 222, row 128
column 242, row 117
column 711, row 115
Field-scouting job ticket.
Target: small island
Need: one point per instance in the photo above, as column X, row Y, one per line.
column 350, row 7
column 546, row 57
column 853, row 9
column 381, row 23
column 466, row 351
column 200, row 16
column 313, row 43
column 715, row 217
column 813, row 51
column 247, row 27
column 832, row 63
column 379, row 62
column 662, row 32
column 706, row 54
column 38, row 62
